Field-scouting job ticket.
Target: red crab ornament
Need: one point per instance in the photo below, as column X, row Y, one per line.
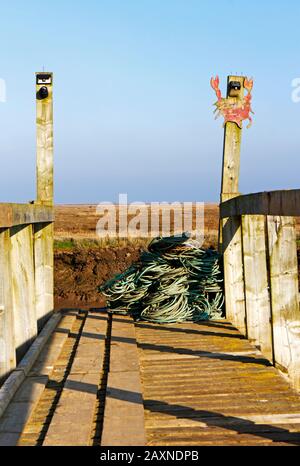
column 232, row 109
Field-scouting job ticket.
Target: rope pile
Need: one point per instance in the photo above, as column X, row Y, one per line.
column 174, row 281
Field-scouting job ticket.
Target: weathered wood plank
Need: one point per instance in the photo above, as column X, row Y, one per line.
column 43, row 262
column 234, row 273
column 258, row 308
column 124, row 412
column 285, row 295
column 7, row 342
column 44, row 136
column 24, row 214
column 72, row 421
column 284, row 203
column 23, row 287
column 231, row 156
column 246, row 401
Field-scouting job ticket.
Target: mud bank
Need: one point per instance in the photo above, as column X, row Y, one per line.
column 79, row 272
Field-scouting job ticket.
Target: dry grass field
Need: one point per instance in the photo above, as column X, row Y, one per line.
column 77, row 223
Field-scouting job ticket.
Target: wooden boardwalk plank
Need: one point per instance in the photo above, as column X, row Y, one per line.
column 203, row 384
column 73, row 417
column 179, row 384
column 124, row 411
column 14, row 420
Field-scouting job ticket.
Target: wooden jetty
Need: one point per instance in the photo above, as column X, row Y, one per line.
column 87, row 377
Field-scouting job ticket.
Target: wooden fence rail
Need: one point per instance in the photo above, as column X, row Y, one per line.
column 261, row 273
column 26, row 248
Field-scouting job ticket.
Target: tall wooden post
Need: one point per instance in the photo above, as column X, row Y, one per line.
column 44, row 137
column 44, row 233
column 230, row 235
column 231, row 151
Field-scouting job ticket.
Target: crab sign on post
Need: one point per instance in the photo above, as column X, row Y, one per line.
column 235, row 108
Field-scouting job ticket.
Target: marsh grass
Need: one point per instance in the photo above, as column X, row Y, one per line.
column 70, row 243
column 103, row 243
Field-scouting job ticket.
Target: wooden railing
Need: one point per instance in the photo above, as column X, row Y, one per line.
column 26, row 278
column 26, row 248
column 261, row 273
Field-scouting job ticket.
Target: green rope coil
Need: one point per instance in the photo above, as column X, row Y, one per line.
column 174, row 281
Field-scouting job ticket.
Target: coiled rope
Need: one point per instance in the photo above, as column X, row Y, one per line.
column 174, row 281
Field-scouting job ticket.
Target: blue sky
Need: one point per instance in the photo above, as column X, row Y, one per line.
column 133, row 105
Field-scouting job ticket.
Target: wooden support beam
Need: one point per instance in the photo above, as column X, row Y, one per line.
column 43, row 263
column 258, row 308
column 285, row 295
column 44, row 136
column 233, row 273
column 7, row 342
column 23, row 287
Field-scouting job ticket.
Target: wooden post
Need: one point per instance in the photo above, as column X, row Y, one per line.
column 231, row 154
column 230, row 236
column 44, row 137
column 232, row 147
column 43, row 232
column 285, row 295
column 7, row 341
column 23, row 287
column 44, row 266
column 258, row 308
column 233, row 273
